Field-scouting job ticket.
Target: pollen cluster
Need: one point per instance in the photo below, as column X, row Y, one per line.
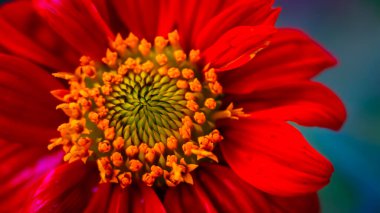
column 143, row 113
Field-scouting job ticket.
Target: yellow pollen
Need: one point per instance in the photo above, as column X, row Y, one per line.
column 188, row 73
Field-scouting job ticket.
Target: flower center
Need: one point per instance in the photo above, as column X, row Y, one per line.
column 143, row 114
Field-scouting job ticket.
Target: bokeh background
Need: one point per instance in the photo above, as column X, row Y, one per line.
column 350, row 29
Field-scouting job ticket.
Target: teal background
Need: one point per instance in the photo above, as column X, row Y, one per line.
column 350, row 29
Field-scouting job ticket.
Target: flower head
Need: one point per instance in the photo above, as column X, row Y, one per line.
column 159, row 105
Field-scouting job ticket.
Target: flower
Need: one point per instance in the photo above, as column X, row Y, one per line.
column 163, row 91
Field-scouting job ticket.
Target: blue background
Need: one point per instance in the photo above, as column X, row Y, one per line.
column 350, row 29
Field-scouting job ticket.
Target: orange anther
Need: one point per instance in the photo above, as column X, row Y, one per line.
column 117, row 159
column 117, row 79
column 161, row 59
column 125, row 179
column 103, row 124
column 143, row 147
column 179, row 56
column 132, row 41
column 192, row 105
column 187, row 147
column 131, row 151
column 174, row 38
column 89, row 71
column 107, row 77
column 118, row 143
column 104, row 146
column 199, row 117
column 215, row 136
column 160, row 43
column 159, row 147
column 85, row 104
column 85, row 60
column 189, row 96
column 210, row 75
column 102, row 111
column 130, row 63
column 172, row 143
column 119, row 44
column 94, row 117
column 94, row 92
column 195, row 85
column 187, row 73
column 182, row 84
column 99, row 101
column 109, row 133
column 147, row 66
column 106, row 89
column 187, row 121
column 205, row 143
column 171, row 160
column 144, row 47
column 148, row 179
column 110, row 58
column 86, row 142
column 122, row 70
column 194, row 56
column 163, row 70
column 156, row 171
column 174, row 72
column 210, row 103
column 135, row 165
column 216, row 88
column 150, row 155
column 185, row 132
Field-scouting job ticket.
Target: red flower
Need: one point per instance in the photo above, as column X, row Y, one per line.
column 232, row 75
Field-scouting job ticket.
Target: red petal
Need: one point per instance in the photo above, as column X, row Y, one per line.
column 300, row 204
column 136, row 198
column 59, row 190
column 219, row 189
column 291, row 55
column 99, row 200
column 144, row 199
column 140, row 17
column 274, row 157
column 188, row 198
column 29, row 37
column 306, row 103
column 235, row 195
column 27, row 106
column 22, row 169
column 237, row 46
column 239, row 13
column 79, row 23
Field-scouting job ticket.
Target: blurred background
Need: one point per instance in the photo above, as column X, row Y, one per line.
column 350, row 29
